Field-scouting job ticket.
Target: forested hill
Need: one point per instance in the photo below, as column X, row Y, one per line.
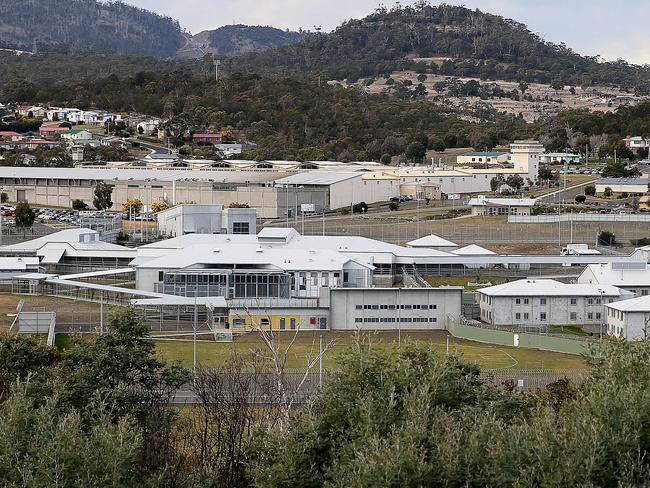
column 108, row 26
column 452, row 40
column 235, row 40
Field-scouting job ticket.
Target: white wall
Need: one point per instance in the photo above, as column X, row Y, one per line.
column 628, row 325
column 346, row 314
column 504, row 310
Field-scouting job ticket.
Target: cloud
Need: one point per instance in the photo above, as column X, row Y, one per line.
column 584, row 25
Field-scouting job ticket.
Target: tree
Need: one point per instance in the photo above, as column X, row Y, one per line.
column 361, row 207
column 132, row 205
column 40, row 442
column 159, row 206
column 415, row 151
column 619, row 169
column 515, row 182
column 590, row 190
column 25, row 216
column 102, row 196
column 545, row 173
column 79, row 205
column 608, row 192
column 438, row 145
column 523, row 86
column 385, row 159
column 581, row 198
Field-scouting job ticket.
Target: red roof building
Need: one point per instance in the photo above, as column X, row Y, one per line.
column 208, row 138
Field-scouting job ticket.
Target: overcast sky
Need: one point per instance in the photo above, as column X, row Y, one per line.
column 613, row 29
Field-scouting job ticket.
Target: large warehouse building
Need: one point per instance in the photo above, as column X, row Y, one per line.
column 278, row 189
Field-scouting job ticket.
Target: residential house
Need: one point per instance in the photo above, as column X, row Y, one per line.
column 636, row 143
column 76, row 135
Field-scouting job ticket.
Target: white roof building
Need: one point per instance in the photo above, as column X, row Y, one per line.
column 473, row 250
column 547, row 288
column 629, row 319
column 79, row 245
column 433, row 242
column 540, row 303
column 632, row 276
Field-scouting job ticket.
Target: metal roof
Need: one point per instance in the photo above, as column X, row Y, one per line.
column 523, row 288
column 431, row 241
column 472, row 250
column 317, row 178
column 506, row 202
column 622, row 181
column 124, row 174
column 605, row 274
column 638, row 304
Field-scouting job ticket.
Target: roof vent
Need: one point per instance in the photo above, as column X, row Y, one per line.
column 311, row 251
column 259, row 249
column 216, row 249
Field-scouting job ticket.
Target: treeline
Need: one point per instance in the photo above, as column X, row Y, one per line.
column 55, row 65
column 98, row 413
column 286, row 118
column 108, row 26
column 233, row 40
column 465, row 42
column 602, row 132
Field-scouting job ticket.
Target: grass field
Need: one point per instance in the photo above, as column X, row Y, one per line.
column 486, row 355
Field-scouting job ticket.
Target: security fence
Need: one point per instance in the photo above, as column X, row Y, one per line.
column 565, row 345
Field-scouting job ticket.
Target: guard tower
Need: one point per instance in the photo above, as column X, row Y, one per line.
column 525, row 157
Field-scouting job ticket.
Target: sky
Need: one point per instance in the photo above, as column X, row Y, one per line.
column 605, row 27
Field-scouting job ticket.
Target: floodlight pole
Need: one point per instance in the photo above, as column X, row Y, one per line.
column 320, row 361
column 194, row 341
column 101, row 312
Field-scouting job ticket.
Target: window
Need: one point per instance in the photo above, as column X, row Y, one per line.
column 517, row 316
column 240, row 227
column 542, row 301
column 264, row 322
column 358, row 307
column 525, row 301
column 590, row 315
column 598, row 316
column 161, row 275
column 590, row 301
column 283, row 323
column 542, row 316
column 517, row 301
column 573, row 316
column 574, row 301
column 526, row 316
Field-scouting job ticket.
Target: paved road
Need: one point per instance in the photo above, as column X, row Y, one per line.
column 154, row 148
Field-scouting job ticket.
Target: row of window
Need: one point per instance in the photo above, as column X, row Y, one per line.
column 572, row 316
column 396, row 307
column 392, row 320
column 572, row 301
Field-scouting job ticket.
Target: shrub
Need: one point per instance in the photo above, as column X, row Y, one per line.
column 79, row 205
column 393, row 206
column 590, row 190
column 581, row 198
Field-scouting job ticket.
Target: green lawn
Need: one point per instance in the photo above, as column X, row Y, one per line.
column 486, row 355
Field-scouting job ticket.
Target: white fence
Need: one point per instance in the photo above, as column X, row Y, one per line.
column 588, row 217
